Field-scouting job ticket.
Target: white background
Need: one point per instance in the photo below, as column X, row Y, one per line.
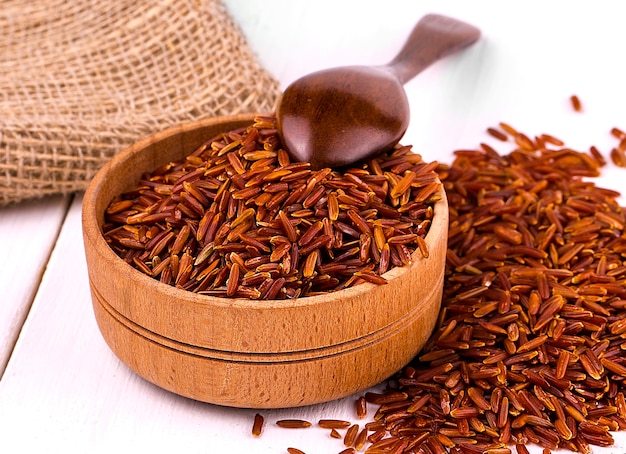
column 64, row 391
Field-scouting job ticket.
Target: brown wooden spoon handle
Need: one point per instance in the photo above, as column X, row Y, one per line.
column 433, row 38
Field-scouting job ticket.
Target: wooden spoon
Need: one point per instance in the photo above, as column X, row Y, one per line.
column 342, row 115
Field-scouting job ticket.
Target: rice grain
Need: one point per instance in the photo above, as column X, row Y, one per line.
column 238, row 199
column 293, row 423
column 528, row 347
column 257, row 426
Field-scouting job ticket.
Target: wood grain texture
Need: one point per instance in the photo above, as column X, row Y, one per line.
column 239, row 352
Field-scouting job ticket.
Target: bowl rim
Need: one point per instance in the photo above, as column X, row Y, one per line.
column 439, row 226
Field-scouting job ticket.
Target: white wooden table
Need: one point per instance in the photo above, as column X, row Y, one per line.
column 62, row 390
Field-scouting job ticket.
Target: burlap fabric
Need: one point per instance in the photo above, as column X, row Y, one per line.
column 82, row 79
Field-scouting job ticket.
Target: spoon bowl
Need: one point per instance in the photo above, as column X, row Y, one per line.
column 339, row 116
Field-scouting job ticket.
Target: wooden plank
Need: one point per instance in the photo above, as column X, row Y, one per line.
column 28, row 232
column 64, row 391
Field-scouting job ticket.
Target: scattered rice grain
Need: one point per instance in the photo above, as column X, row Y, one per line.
column 293, row 423
column 257, row 426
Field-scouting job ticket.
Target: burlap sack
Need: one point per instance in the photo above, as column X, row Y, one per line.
column 82, row 79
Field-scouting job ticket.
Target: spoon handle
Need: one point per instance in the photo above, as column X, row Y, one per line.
column 433, row 38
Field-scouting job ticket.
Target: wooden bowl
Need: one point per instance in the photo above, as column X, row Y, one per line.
column 245, row 353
